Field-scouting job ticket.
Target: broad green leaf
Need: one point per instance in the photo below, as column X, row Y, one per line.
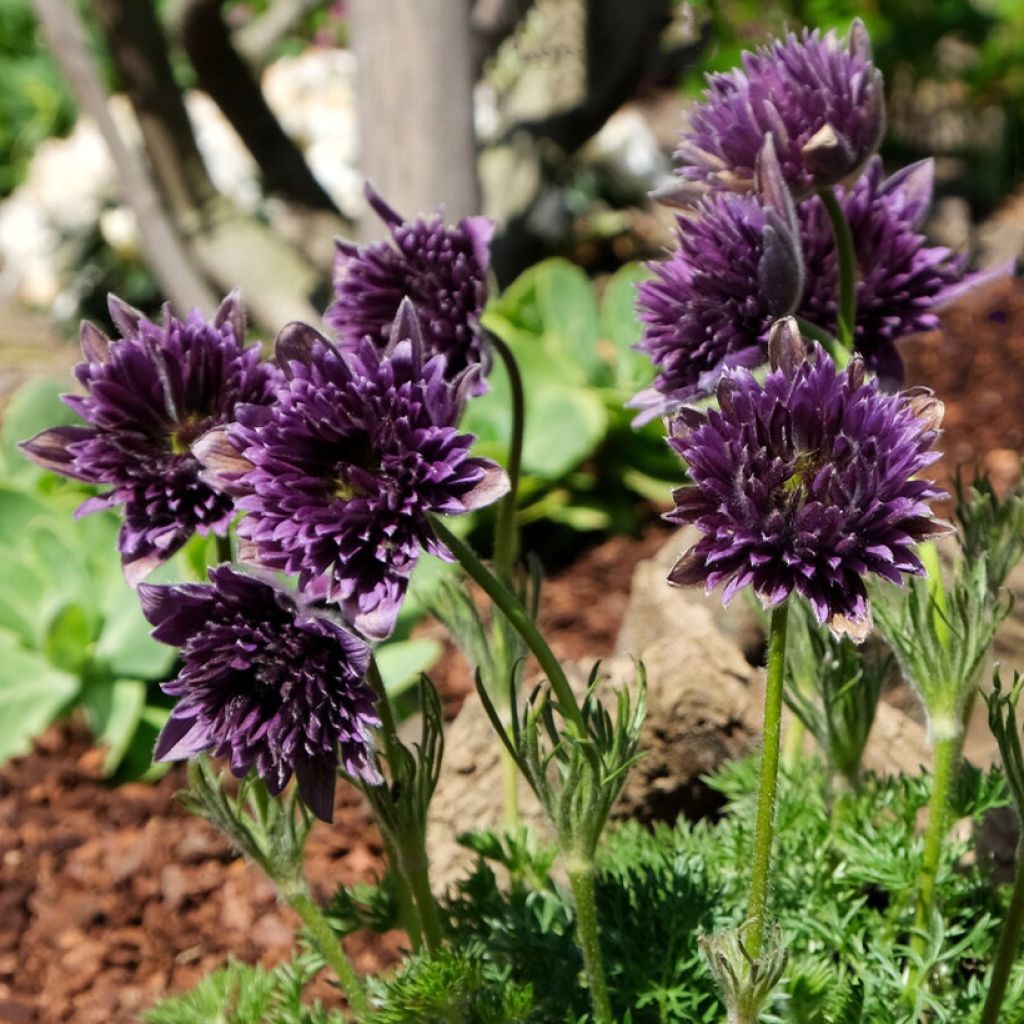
column 124, row 644
column 569, row 318
column 113, row 709
column 402, row 662
column 34, row 407
column 32, row 693
column 68, row 640
column 620, row 326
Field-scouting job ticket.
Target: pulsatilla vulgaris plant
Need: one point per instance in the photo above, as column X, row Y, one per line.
column 332, row 470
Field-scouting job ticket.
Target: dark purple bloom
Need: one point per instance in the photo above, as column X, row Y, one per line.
column 338, row 476
column 150, row 394
column 266, row 682
column 710, row 305
column 902, row 281
column 821, row 98
column 807, row 483
column 443, row 270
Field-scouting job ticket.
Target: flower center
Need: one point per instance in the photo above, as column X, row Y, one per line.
column 805, row 468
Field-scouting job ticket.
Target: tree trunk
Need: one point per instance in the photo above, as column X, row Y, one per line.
column 416, row 104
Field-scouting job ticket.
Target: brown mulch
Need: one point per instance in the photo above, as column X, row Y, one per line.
column 110, row 898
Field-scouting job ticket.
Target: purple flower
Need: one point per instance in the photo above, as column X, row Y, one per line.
column 902, row 281
column 807, row 483
column 443, row 270
column 151, row 393
column 819, row 96
column 711, row 303
column 337, row 478
column 267, row 682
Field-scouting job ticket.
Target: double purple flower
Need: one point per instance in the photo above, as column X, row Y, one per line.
column 338, row 476
column 807, row 483
column 442, row 270
column 149, row 395
column 820, row 96
column 267, row 682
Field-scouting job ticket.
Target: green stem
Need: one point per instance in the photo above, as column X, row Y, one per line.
column 510, row 787
column 517, row 617
column 769, row 778
column 947, row 749
column 506, row 539
column 581, row 881
column 224, row 552
column 840, row 356
column 846, row 260
column 1009, row 944
column 416, row 868
column 330, row 949
column 422, row 920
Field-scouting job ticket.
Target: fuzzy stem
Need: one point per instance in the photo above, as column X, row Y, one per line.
column 769, row 778
column 518, row 618
column 413, row 855
column 581, row 880
column 510, row 787
column 947, row 749
column 840, row 355
column 330, row 949
column 1009, row 943
column 506, row 539
column 846, row 260
column 410, row 909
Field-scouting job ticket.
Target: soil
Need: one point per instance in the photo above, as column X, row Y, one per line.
column 113, row 897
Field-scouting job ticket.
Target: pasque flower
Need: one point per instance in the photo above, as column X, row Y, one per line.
column 902, row 281
column 806, row 483
column 443, row 270
column 267, row 682
column 338, row 476
column 820, row 97
column 149, row 394
column 711, row 303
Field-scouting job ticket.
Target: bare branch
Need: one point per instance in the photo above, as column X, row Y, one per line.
column 256, row 41
column 232, row 86
column 166, row 253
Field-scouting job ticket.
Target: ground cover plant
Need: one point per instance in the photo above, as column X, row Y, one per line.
column 328, row 474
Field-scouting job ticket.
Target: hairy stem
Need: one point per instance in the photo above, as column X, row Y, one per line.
column 330, row 948
column 518, row 618
column 581, row 880
column 846, row 261
column 506, row 539
column 769, row 778
column 1009, row 944
column 409, row 905
column 947, row 749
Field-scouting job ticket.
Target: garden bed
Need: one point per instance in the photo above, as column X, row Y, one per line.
column 111, row 897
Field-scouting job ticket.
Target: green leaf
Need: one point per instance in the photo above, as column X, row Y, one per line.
column 34, row 407
column 402, row 662
column 68, row 638
column 137, row 764
column 113, row 710
column 124, row 643
column 568, row 313
column 620, row 326
column 32, row 693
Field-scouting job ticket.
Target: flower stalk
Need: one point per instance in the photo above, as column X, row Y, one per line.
column 1009, row 944
column 506, row 539
column 846, row 264
column 330, row 948
column 513, row 610
column 769, row 778
column 581, row 872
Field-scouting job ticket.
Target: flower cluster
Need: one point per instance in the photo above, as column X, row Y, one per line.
column 712, row 301
column 333, row 458
column 806, row 483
